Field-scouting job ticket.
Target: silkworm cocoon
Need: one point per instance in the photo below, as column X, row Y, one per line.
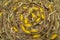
column 28, row 25
column 37, row 20
column 21, row 17
column 36, row 36
column 54, row 36
column 34, row 30
column 26, row 31
column 15, row 29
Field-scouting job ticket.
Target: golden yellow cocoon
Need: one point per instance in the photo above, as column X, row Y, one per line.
column 21, row 17
column 54, row 36
column 50, row 7
column 0, row 14
column 11, row 18
column 41, row 9
column 24, row 7
column 33, row 15
column 26, row 31
column 36, row 36
column 43, row 16
column 15, row 29
column 38, row 14
column 35, row 8
column 30, row 10
column 34, row 30
column 26, row 20
column 38, row 19
column 22, row 27
column 14, row 8
column 28, row 25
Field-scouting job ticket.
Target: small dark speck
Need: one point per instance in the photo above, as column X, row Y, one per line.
column 56, row 11
column 50, row 0
column 0, row 37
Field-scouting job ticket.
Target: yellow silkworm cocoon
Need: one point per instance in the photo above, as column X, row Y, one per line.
column 30, row 10
column 0, row 14
column 50, row 7
column 26, row 31
column 26, row 20
column 33, row 15
column 43, row 16
column 24, row 7
column 34, row 30
column 28, row 25
column 36, row 36
column 14, row 8
column 22, row 27
column 15, row 29
column 37, row 20
column 54, row 36
column 21, row 17
column 41, row 9
column 35, row 8
column 38, row 14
